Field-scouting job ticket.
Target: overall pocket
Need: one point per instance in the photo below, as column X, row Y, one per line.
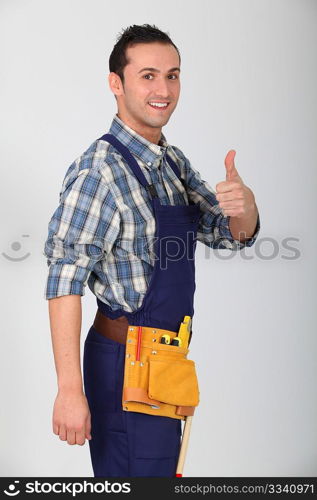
column 99, row 371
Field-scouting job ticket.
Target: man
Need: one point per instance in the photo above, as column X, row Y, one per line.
column 128, row 188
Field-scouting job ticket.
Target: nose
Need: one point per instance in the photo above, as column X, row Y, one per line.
column 162, row 88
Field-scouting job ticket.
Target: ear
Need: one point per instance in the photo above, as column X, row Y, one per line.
column 115, row 84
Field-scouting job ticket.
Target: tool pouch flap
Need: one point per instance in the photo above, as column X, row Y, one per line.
column 173, row 382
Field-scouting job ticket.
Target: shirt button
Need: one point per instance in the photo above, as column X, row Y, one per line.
column 149, row 163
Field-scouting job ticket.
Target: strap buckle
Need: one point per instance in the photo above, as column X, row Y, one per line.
column 152, row 190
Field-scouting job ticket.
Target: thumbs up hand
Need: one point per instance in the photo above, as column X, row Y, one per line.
column 235, row 198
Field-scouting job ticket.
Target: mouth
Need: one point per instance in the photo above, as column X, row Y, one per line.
column 159, row 105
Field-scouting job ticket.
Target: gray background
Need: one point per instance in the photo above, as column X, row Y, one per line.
column 249, row 84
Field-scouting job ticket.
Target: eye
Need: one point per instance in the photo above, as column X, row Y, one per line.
column 173, row 76
column 148, row 76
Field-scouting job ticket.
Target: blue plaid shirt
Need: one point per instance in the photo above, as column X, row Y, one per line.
column 103, row 229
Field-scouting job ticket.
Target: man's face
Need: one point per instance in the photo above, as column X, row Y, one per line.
column 151, row 85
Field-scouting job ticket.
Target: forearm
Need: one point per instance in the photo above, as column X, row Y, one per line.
column 65, row 322
column 243, row 228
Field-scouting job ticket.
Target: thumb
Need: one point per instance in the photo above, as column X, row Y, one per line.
column 231, row 171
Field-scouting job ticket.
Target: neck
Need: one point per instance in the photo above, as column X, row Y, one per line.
column 149, row 133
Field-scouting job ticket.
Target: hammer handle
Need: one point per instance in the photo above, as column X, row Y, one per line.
column 184, row 444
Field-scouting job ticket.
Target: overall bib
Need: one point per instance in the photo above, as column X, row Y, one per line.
column 127, row 443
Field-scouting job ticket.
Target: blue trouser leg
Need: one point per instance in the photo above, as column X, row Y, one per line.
column 126, row 444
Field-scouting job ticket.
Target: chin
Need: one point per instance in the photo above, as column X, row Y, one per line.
column 157, row 123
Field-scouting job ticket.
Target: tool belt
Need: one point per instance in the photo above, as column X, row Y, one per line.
column 158, row 378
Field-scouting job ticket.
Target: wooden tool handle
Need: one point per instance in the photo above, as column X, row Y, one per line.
column 184, row 444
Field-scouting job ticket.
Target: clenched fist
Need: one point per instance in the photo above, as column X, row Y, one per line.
column 71, row 417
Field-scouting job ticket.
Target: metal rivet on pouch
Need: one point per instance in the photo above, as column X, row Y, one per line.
column 131, row 329
column 129, row 341
column 153, row 340
column 132, row 362
column 128, row 355
column 154, row 331
column 154, row 352
column 141, row 364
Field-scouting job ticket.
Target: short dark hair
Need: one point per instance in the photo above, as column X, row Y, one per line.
column 132, row 35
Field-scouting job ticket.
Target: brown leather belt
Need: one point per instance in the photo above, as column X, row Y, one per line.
column 114, row 329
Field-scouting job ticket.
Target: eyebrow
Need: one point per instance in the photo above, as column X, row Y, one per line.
column 155, row 70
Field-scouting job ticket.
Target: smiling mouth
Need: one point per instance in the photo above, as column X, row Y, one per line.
column 159, row 105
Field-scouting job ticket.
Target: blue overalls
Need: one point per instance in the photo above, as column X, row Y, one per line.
column 125, row 443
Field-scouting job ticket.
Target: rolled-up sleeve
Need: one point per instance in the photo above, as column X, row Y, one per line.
column 81, row 232
column 213, row 229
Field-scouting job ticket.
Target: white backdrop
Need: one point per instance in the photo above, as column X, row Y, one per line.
column 249, row 84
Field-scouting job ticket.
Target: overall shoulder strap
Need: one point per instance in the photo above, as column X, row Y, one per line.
column 133, row 164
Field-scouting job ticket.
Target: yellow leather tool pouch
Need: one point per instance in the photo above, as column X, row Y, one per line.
column 162, row 381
